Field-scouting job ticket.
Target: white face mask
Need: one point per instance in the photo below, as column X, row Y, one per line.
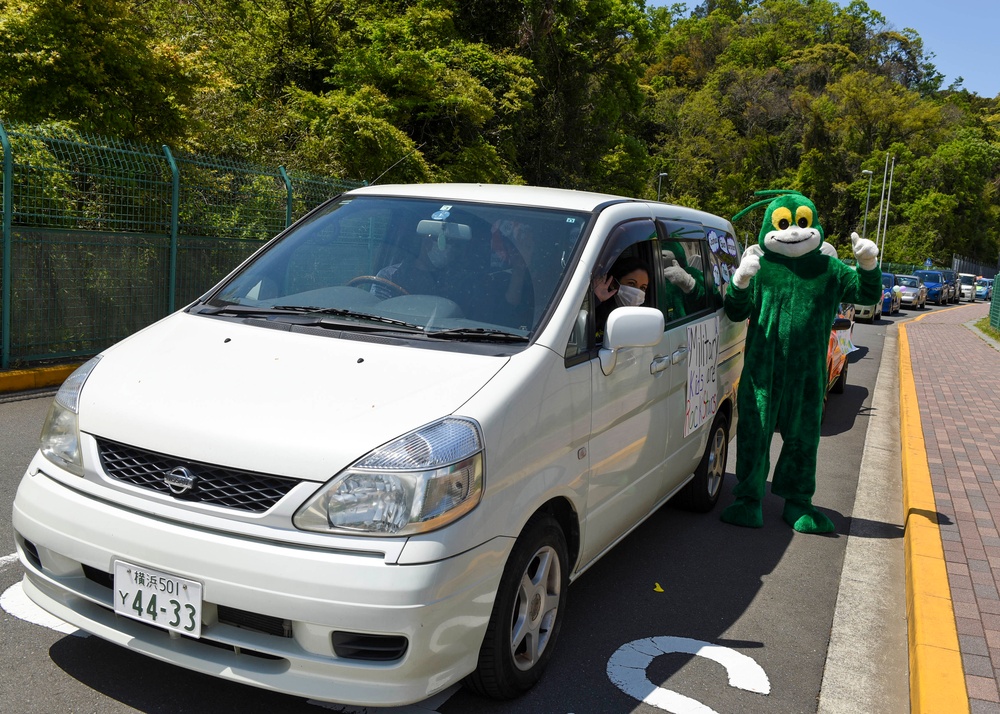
column 627, row 296
column 439, row 257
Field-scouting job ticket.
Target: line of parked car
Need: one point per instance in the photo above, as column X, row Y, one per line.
column 914, row 291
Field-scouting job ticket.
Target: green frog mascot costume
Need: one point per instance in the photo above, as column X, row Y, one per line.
column 791, row 291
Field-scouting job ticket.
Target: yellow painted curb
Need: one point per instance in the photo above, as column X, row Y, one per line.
column 19, row 380
column 937, row 678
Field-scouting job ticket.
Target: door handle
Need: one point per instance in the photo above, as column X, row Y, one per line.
column 679, row 355
column 659, row 364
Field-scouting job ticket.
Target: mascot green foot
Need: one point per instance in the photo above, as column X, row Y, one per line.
column 804, row 518
column 745, row 512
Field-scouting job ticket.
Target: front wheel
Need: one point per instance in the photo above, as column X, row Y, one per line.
column 702, row 492
column 527, row 613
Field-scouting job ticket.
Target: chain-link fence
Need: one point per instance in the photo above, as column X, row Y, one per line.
column 102, row 237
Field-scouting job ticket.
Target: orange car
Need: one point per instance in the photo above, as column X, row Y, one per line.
column 840, row 346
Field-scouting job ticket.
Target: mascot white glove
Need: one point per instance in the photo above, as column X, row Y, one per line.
column 749, row 265
column 865, row 252
column 679, row 277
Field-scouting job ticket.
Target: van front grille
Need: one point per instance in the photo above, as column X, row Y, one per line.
column 215, row 485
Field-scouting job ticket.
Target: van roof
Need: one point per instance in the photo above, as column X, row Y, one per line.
column 535, row 196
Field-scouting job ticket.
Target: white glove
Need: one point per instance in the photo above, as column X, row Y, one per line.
column 749, row 266
column 865, row 251
column 679, row 277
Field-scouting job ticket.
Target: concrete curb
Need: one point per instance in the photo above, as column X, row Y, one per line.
column 937, row 677
column 867, row 660
column 20, row 380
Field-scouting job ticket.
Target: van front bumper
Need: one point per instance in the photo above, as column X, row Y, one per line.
column 68, row 540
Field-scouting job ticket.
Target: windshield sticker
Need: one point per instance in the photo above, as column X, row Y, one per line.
column 702, row 380
column 440, row 215
column 713, row 241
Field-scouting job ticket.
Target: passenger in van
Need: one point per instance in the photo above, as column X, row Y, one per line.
column 625, row 285
column 684, row 284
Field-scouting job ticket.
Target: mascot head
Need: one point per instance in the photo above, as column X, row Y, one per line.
column 791, row 227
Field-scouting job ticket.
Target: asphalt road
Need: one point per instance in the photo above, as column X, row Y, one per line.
column 764, row 598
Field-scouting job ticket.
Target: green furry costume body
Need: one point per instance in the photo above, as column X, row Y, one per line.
column 791, row 302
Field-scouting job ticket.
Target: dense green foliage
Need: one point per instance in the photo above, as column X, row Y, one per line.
column 708, row 104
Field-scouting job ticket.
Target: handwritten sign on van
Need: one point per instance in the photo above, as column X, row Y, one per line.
column 702, row 384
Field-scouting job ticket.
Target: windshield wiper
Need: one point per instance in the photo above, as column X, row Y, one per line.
column 237, row 309
column 341, row 312
column 320, row 312
column 482, row 334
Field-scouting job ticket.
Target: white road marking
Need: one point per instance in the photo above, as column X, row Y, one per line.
column 16, row 603
column 627, row 669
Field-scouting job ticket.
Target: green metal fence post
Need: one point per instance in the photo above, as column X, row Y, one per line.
column 288, row 189
column 8, row 209
column 174, row 208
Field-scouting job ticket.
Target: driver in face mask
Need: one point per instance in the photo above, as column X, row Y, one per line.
column 624, row 285
column 417, row 274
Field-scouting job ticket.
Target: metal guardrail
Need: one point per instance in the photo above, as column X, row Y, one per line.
column 102, row 237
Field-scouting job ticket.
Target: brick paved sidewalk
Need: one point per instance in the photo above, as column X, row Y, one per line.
column 957, row 378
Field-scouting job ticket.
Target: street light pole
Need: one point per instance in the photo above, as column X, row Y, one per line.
column 888, row 200
column 659, row 184
column 864, row 228
column 881, row 201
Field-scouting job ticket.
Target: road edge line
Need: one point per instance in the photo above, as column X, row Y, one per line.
column 937, row 676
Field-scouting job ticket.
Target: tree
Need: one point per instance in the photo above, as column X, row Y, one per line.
column 89, row 62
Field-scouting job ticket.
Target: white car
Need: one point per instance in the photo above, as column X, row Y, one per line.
column 968, row 282
column 367, row 465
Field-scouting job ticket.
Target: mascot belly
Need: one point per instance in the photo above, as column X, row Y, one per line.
column 790, row 291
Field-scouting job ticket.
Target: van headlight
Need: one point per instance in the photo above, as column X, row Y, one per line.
column 60, row 441
column 417, row 483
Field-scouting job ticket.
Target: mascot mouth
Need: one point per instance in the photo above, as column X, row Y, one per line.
column 793, row 243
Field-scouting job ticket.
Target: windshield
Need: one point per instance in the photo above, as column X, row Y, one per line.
column 968, row 279
column 417, row 265
column 907, row 281
column 888, row 281
column 983, row 282
column 931, row 277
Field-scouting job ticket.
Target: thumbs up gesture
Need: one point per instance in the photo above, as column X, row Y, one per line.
column 749, row 266
column 679, row 277
column 865, row 251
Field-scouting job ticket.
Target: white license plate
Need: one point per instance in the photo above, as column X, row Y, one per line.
column 158, row 598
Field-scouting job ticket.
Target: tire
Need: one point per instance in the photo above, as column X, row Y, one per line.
column 701, row 493
column 527, row 613
column 838, row 386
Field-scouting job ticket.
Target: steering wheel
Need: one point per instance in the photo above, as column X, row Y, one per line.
column 375, row 280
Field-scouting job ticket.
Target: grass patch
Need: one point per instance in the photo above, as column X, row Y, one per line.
column 987, row 328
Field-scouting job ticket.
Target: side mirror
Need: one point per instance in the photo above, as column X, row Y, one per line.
column 629, row 327
column 841, row 324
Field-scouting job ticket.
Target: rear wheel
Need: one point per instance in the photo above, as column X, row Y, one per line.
column 838, row 386
column 702, row 492
column 527, row 613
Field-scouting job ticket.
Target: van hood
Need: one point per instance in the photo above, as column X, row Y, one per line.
column 268, row 400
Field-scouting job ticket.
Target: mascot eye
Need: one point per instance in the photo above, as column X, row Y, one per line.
column 781, row 218
column 803, row 216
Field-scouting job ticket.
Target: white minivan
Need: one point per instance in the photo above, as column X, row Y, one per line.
column 367, row 464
